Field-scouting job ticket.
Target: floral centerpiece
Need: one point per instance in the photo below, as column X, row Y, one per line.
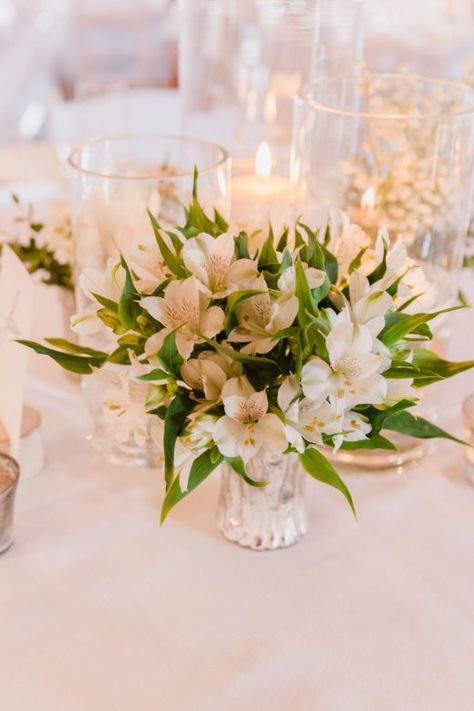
column 228, row 355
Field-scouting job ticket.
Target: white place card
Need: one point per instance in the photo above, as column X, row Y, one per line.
column 16, row 303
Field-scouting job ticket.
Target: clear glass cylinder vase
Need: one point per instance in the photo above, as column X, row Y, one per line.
column 394, row 151
column 114, row 182
column 263, row 518
column 238, row 83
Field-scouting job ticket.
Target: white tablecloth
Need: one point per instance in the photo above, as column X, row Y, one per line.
column 102, row 609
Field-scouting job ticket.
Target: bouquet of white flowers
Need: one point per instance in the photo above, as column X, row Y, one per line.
column 225, row 352
column 44, row 246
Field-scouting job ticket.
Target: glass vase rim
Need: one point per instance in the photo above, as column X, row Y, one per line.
column 75, row 152
column 303, row 94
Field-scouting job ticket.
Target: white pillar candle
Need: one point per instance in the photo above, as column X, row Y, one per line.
column 260, row 198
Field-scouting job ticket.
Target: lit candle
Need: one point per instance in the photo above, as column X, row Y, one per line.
column 260, row 198
column 368, row 216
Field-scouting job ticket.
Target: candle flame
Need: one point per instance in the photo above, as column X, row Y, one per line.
column 368, row 198
column 270, row 108
column 263, row 161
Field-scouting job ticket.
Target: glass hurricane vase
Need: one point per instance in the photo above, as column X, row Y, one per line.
column 114, row 181
column 394, row 151
column 263, row 518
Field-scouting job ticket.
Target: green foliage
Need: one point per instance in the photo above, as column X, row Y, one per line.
column 320, row 468
column 40, row 259
column 82, row 364
column 200, row 470
column 176, row 415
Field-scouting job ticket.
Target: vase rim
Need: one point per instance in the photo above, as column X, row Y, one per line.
column 73, row 159
column 304, row 95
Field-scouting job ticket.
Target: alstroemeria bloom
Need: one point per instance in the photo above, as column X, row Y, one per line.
column 259, row 319
column 126, row 402
column 288, row 400
column 209, row 372
column 184, row 307
column 352, row 376
column 400, row 389
column 108, row 284
column 287, row 281
column 346, row 242
column 148, row 265
column 355, row 427
column 247, row 427
column 368, row 304
column 213, row 262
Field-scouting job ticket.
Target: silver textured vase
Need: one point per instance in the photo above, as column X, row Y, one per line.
column 263, row 518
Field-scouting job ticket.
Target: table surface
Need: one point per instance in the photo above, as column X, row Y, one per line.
column 101, row 609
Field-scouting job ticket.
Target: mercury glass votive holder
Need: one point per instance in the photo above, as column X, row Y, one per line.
column 114, row 182
column 9, row 474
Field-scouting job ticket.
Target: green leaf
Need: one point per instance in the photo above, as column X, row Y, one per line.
column 303, row 293
column 169, row 356
column 356, row 262
column 222, row 224
column 107, row 303
column 283, row 241
column 375, row 442
column 462, row 298
column 433, row 368
column 69, row 347
column 155, row 374
column 413, row 426
column 321, row 469
column 243, row 357
column 380, row 270
column 242, row 245
column 128, row 308
column 406, row 324
column 196, row 219
column 237, row 464
column 200, row 470
column 75, row 363
column 268, row 259
column 172, row 261
column 176, row 415
column 233, row 300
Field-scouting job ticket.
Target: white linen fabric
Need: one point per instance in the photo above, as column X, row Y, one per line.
column 101, row 609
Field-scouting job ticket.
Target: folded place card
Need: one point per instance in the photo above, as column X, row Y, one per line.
column 16, row 303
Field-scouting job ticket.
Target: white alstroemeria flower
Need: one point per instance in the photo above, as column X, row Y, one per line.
column 184, row 307
column 368, row 304
column 247, row 427
column 355, row 427
column 288, row 399
column 126, row 402
column 346, row 242
column 148, row 266
column 287, row 281
column 400, row 389
column 209, row 372
column 316, row 418
column 56, row 234
column 352, row 376
column 260, row 319
column 108, row 284
column 213, row 262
